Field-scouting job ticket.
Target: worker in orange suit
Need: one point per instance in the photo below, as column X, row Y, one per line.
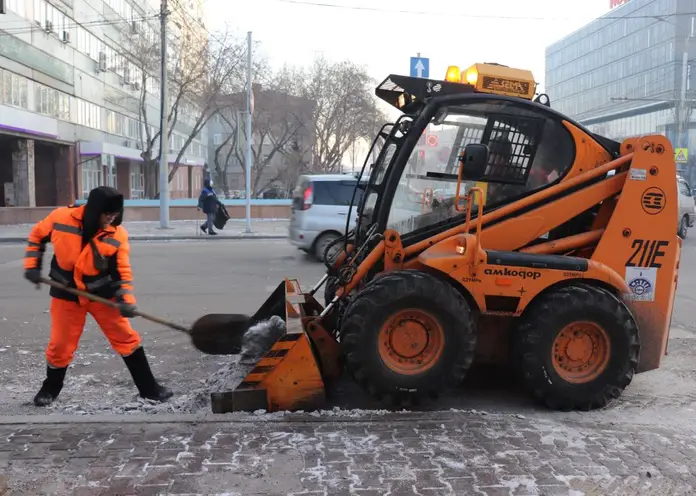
column 91, row 253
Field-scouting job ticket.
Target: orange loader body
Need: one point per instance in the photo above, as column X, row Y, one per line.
column 407, row 316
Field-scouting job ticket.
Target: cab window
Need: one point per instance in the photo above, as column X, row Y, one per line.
column 528, row 150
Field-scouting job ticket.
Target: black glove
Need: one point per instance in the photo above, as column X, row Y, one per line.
column 33, row 275
column 127, row 310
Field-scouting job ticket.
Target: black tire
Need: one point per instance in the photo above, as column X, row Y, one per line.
column 323, row 242
column 683, row 227
column 545, row 320
column 373, row 307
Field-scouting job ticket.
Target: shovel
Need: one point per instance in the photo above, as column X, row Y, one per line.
column 235, row 325
column 212, row 340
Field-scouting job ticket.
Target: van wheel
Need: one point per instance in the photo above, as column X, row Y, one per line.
column 322, row 242
column 683, row 227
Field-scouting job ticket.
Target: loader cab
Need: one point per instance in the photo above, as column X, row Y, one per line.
column 529, row 147
column 528, row 150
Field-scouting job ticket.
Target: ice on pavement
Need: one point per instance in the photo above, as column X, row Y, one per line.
column 196, row 400
column 90, row 394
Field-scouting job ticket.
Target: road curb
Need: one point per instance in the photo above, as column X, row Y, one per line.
column 145, row 237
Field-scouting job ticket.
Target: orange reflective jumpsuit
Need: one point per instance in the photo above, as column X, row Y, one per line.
column 102, row 267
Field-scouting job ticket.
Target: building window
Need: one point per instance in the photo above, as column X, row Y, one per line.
column 196, row 175
column 64, row 106
column 91, row 176
column 180, row 179
column 46, row 100
column 14, row 90
column 137, row 181
column 111, row 177
column 133, row 128
column 16, row 6
column 89, row 114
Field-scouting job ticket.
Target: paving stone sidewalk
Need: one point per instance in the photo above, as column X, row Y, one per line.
column 450, row 453
column 180, row 229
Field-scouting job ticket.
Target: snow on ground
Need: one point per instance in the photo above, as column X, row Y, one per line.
column 194, row 400
column 87, row 393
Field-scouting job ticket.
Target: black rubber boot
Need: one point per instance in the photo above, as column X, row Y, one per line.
column 146, row 383
column 51, row 387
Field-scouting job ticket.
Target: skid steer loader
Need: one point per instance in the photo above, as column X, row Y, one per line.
column 554, row 252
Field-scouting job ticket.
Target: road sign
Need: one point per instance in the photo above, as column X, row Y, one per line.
column 681, row 155
column 420, row 67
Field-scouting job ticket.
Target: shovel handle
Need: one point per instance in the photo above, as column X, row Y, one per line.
column 112, row 304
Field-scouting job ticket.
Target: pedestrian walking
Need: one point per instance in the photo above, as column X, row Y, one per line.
column 91, row 253
column 208, row 202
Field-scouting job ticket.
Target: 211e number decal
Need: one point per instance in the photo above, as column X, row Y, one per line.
column 647, row 253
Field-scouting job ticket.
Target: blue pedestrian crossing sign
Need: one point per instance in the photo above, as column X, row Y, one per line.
column 420, row 67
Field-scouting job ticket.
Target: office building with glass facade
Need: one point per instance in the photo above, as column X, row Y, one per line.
column 622, row 74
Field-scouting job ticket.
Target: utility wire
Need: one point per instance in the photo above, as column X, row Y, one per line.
column 464, row 15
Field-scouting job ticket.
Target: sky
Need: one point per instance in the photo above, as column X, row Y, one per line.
column 448, row 32
column 383, row 35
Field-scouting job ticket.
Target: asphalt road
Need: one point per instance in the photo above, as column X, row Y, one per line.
column 487, row 438
column 181, row 281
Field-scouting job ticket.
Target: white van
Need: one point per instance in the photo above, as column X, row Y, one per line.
column 687, row 207
column 320, row 207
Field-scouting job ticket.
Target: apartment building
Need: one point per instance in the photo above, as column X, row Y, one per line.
column 70, row 102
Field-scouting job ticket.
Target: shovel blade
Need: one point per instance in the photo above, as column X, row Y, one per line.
column 220, row 333
column 224, row 334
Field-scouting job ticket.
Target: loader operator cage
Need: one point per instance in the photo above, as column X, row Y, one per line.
column 412, row 191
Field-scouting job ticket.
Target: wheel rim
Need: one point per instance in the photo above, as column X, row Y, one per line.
column 411, row 342
column 581, row 352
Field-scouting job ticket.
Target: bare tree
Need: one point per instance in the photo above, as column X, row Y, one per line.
column 224, row 153
column 281, row 123
column 345, row 110
column 199, row 73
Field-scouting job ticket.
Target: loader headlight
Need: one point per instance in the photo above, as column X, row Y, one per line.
column 471, row 76
column 461, row 249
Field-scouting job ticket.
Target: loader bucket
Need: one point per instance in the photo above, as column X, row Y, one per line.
column 234, row 326
column 288, row 376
